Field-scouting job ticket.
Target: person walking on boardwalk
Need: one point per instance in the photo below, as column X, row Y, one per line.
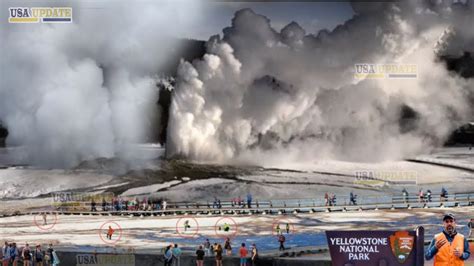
column 421, row 196
column 287, row 228
column 215, row 205
column 428, row 195
column 93, row 206
column 104, row 205
column 332, row 199
column 352, row 198
column 326, row 199
column 470, row 226
column 243, row 255
column 405, row 195
column 448, row 247
column 281, row 239
column 249, row 200
column 444, row 195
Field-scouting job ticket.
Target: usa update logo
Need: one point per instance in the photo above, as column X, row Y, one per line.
column 40, row 15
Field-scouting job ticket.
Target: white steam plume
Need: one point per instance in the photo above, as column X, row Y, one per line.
column 72, row 92
column 265, row 96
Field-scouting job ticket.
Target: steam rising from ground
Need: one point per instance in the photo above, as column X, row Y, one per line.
column 273, row 97
column 80, row 91
column 72, row 92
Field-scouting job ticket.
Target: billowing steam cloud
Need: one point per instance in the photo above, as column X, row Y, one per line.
column 71, row 92
column 291, row 96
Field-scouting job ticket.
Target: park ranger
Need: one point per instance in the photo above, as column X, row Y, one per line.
column 448, row 247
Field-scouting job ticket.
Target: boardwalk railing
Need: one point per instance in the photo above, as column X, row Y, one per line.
column 279, row 206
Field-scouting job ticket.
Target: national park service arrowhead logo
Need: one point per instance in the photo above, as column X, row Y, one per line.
column 402, row 245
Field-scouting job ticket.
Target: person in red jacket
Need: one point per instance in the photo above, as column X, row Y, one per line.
column 243, row 255
column 110, row 232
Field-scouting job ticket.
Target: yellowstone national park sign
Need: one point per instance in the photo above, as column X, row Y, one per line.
column 375, row 248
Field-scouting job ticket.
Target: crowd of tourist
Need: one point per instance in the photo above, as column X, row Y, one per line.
column 425, row 196
column 12, row 254
column 129, row 204
column 217, row 250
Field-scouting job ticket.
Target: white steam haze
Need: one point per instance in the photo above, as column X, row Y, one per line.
column 269, row 97
column 72, row 92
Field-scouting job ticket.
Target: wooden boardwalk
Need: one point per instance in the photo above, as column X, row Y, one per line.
column 267, row 207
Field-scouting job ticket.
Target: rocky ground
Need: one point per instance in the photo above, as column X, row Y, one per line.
column 153, row 233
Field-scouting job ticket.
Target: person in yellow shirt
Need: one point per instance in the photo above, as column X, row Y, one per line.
column 448, row 247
